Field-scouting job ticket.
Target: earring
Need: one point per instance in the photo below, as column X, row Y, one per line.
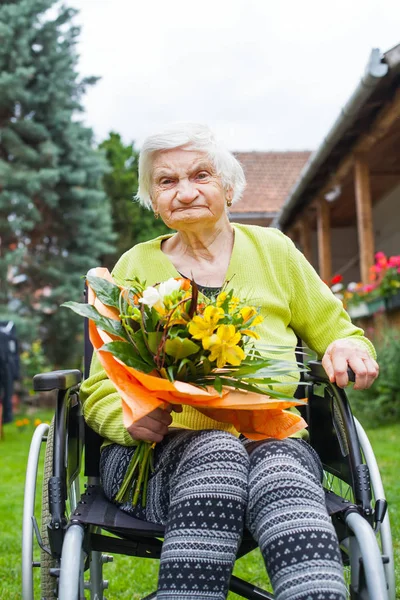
column 229, row 202
column 156, row 215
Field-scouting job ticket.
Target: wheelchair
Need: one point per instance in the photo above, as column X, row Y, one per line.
column 74, row 534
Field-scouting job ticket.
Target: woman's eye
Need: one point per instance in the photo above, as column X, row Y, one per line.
column 165, row 181
column 202, row 175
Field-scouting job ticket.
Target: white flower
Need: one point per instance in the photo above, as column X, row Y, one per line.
column 337, row 287
column 166, row 288
column 352, row 286
column 151, row 297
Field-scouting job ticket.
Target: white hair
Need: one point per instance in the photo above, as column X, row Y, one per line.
column 190, row 136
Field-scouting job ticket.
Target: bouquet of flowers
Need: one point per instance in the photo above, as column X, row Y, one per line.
column 167, row 343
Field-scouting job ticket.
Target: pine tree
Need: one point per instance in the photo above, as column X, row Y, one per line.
column 131, row 222
column 55, row 220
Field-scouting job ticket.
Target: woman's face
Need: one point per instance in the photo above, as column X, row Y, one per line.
column 186, row 191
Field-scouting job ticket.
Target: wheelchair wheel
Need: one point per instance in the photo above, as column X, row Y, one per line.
column 71, row 585
column 384, row 534
column 39, row 437
column 365, row 545
column 47, row 562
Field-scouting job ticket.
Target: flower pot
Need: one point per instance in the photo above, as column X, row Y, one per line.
column 376, row 305
column 393, row 302
column 360, row 310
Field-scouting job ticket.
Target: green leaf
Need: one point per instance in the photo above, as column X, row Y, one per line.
column 126, row 353
column 178, row 348
column 90, row 312
column 267, row 391
column 171, row 373
column 144, row 352
column 206, row 365
column 217, row 383
column 185, row 364
column 107, row 292
column 153, row 340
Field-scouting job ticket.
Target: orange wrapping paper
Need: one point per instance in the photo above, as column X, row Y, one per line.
column 255, row 415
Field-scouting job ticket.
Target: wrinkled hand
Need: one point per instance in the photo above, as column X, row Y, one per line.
column 154, row 426
column 342, row 354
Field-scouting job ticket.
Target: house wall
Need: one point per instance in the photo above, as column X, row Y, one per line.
column 386, row 218
column 345, row 260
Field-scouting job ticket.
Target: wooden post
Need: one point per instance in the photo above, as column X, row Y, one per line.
column 324, row 240
column 364, row 217
column 305, row 238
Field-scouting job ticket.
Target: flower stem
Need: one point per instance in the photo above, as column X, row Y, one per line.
column 130, row 472
column 143, row 472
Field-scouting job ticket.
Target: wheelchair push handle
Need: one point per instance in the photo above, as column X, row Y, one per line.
column 60, row 380
column 318, row 373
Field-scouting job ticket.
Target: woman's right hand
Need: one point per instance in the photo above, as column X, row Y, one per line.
column 154, row 426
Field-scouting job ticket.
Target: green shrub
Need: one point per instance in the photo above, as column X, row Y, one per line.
column 380, row 404
column 33, row 361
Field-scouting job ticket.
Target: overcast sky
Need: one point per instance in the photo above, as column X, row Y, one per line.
column 264, row 74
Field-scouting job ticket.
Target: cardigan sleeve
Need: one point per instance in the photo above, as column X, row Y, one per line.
column 317, row 316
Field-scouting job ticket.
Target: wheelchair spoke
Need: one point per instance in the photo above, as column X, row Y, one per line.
column 338, row 486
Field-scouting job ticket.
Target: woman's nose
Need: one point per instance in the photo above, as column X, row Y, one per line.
column 186, row 191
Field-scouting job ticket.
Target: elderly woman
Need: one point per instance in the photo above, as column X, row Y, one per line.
column 207, row 484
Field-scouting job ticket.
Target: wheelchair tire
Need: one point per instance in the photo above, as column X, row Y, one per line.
column 28, row 537
column 47, row 562
column 382, row 540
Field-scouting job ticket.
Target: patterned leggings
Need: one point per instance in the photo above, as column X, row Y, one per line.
column 207, row 486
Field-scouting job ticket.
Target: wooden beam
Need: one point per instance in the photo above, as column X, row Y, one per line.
column 364, row 217
column 305, row 237
column 324, row 240
column 387, row 117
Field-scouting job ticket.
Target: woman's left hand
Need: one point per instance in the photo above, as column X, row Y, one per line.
column 342, row 354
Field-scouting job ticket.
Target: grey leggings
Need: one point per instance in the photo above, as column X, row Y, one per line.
column 207, row 486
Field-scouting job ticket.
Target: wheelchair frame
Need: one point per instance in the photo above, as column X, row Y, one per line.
column 72, row 543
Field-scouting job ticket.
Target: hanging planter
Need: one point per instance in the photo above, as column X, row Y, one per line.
column 359, row 310
column 377, row 305
column 367, row 309
column 393, row 302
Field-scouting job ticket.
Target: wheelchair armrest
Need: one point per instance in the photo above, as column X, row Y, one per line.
column 60, row 380
column 318, row 373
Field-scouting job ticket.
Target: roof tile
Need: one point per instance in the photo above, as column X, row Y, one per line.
column 270, row 177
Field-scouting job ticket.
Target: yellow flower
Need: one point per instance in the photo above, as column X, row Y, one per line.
column 202, row 326
column 223, row 346
column 233, row 304
column 221, row 298
column 18, row 423
column 259, row 319
column 177, row 318
column 37, row 422
column 250, row 333
column 247, row 313
column 25, row 421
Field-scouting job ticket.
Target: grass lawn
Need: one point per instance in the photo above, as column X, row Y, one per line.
column 126, row 573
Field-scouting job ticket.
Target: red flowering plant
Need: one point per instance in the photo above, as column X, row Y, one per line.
column 356, row 293
column 336, row 285
column 351, row 295
column 385, row 275
column 384, row 281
